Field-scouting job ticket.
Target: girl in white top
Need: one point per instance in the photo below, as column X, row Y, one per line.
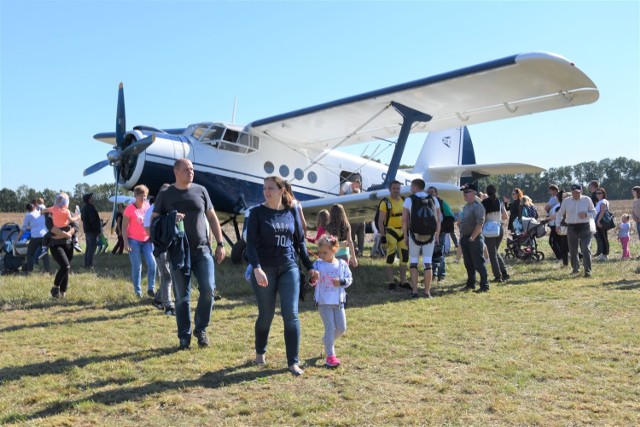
column 330, row 294
column 624, row 229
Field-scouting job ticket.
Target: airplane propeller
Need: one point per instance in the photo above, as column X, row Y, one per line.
column 120, row 154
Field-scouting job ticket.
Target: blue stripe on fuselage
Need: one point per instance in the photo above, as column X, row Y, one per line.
column 226, row 193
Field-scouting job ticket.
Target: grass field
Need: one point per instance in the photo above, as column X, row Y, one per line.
column 543, row 349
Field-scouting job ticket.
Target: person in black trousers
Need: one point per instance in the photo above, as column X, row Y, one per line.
column 61, row 247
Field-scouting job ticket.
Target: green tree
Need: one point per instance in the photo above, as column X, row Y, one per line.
column 9, row 201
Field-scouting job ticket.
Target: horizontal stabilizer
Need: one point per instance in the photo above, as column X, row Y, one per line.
column 453, row 173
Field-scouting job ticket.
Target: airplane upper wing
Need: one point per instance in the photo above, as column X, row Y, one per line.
column 509, row 87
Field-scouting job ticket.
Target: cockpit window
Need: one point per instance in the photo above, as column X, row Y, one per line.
column 225, row 138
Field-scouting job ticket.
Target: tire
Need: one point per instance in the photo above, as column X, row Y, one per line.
column 237, row 252
column 539, row 256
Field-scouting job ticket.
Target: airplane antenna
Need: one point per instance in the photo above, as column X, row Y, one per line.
column 233, row 116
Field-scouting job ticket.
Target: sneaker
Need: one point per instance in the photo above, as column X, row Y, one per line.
column 468, row 288
column 151, row 294
column 441, row 278
column 170, row 311
column 77, row 248
column 587, row 274
column 260, row 359
column 332, row 361
column 203, row 341
column 45, row 251
column 296, row 370
column 415, row 295
column 157, row 304
column 428, row 295
column 481, row 290
column 392, row 286
column 63, row 295
column 405, row 285
column 184, row 343
column 55, row 292
column 505, row 276
column 217, row 297
column 498, row 280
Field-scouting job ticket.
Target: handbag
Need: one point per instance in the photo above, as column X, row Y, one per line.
column 491, row 229
column 562, row 230
column 607, row 222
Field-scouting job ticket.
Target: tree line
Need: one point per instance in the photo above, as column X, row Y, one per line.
column 617, row 176
column 15, row 201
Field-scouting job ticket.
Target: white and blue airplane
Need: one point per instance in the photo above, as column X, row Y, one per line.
column 231, row 161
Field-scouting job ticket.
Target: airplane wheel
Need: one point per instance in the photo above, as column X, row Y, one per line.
column 237, row 252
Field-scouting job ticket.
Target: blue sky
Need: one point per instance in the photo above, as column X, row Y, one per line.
column 185, row 62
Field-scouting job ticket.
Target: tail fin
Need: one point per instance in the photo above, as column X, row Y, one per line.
column 448, row 156
column 451, row 147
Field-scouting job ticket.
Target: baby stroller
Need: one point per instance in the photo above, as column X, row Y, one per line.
column 13, row 252
column 523, row 243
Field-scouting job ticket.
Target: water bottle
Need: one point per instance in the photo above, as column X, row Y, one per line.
column 77, row 210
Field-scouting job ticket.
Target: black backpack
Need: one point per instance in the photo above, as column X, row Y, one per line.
column 377, row 216
column 423, row 218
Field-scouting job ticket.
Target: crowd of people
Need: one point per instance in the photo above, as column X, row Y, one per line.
column 172, row 234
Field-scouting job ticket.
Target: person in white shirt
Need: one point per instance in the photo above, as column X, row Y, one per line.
column 34, row 222
column 578, row 209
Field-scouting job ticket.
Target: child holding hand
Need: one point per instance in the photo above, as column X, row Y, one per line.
column 330, row 295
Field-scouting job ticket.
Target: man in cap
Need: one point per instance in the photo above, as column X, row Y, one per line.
column 471, row 239
column 92, row 227
column 577, row 210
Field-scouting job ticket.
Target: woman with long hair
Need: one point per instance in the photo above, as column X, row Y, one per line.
column 514, row 206
column 601, row 207
column 495, row 211
column 275, row 238
column 339, row 227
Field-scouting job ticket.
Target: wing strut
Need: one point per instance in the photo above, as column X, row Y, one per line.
column 409, row 116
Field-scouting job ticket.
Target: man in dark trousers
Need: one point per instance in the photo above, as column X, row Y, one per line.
column 92, row 228
column 471, row 239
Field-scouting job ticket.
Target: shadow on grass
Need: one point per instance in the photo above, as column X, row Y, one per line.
column 143, row 312
column 61, row 365
column 213, row 380
column 623, row 285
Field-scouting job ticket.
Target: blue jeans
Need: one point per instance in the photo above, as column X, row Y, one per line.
column 285, row 280
column 440, row 269
column 92, row 243
column 138, row 250
column 473, row 255
column 203, row 268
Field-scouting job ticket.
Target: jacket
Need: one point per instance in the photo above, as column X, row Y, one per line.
column 166, row 237
column 90, row 219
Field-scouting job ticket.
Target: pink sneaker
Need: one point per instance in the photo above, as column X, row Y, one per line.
column 332, row 361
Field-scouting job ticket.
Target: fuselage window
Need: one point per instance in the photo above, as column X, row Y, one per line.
column 269, row 167
column 313, row 178
column 284, row 171
column 298, row 173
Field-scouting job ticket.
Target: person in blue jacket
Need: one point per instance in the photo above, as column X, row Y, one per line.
column 275, row 239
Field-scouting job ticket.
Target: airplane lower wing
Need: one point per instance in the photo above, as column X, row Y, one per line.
column 509, row 87
column 362, row 206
